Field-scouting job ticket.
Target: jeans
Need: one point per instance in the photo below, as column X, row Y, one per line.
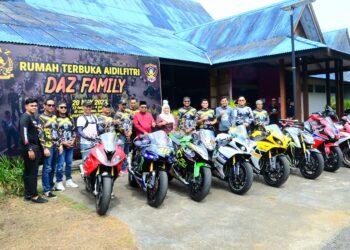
column 65, row 157
column 84, row 152
column 126, row 149
column 30, row 173
column 49, row 167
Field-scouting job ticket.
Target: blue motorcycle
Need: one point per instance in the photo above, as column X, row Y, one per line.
column 153, row 154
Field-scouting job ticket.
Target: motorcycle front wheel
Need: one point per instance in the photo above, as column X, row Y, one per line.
column 276, row 177
column 199, row 188
column 313, row 168
column 346, row 155
column 156, row 194
column 241, row 183
column 103, row 197
column 334, row 160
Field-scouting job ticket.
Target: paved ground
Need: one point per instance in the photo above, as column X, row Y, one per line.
column 303, row 214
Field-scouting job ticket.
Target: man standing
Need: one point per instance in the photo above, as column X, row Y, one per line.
column 30, row 151
column 105, row 120
column 206, row 117
column 260, row 114
column 87, row 128
column 242, row 114
column 13, row 100
column 143, row 120
column 133, row 110
column 224, row 115
column 274, row 111
column 123, row 121
column 50, row 139
column 187, row 116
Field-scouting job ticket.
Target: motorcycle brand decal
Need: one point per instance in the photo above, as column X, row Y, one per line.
column 320, row 137
column 6, row 65
column 151, row 72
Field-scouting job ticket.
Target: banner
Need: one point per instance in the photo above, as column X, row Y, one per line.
column 73, row 76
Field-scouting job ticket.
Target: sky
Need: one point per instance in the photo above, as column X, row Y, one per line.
column 331, row 14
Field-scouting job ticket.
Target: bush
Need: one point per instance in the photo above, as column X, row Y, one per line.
column 11, row 175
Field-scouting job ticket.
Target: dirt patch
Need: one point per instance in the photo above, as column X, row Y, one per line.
column 59, row 224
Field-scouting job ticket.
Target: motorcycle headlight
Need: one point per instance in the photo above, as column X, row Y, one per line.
column 331, row 135
column 278, row 141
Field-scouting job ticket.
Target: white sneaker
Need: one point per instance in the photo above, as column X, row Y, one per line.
column 59, row 186
column 70, row 183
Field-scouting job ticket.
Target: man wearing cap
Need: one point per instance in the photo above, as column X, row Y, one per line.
column 260, row 115
column 87, row 125
column 123, row 122
column 187, row 116
column 105, row 120
column 143, row 120
column 274, row 111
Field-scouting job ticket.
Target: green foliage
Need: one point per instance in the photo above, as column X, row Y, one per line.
column 11, row 175
column 232, row 104
column 346, row 103
column 175, row 113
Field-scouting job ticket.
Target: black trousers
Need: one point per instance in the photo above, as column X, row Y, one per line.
column 30, row 173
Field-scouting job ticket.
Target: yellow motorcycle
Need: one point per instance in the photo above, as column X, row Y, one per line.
column 268, row 157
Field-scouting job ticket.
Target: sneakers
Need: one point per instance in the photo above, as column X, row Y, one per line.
column 59, row 186
column 70, row 183
column 39, row 199
column 49, row 195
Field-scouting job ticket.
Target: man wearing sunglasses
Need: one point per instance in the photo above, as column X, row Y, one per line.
column 187, row 116
column 50, row 139
column 105, row 120
column 242, row 114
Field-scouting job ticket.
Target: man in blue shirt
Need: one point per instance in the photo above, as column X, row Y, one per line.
column 224, row 114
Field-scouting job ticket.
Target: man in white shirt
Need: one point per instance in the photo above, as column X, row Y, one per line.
column 87, row 125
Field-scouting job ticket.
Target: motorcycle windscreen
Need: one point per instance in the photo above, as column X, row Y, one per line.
column 207, row 137
column 109, row 141
column 160, row 143
column 239, row 132
column 329, row 121
column 274, row 128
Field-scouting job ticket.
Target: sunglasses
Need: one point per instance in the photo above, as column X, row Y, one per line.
column 50, row 105
column 63, row 107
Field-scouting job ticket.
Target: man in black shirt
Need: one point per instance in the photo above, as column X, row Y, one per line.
column 274, row 111
column 30, row 150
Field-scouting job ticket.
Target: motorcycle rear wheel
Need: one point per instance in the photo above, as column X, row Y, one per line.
column 242, row 183
column 156, row 195
column 315, row 167
column 199, row 193
column 280, row 175
column 103, row 196
column 334, row 160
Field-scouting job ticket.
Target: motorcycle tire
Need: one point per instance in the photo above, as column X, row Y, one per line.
column 346, row 156
column 103, row 197
column 284, row 167
column 206, row 177
column 317, row 162
column 131, row 180
column 241, row 186
column 336, row 162
column 157, row 198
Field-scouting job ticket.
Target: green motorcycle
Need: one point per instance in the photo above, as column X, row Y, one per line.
column 191, row 165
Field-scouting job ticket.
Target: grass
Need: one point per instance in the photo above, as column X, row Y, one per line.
column 11, row 175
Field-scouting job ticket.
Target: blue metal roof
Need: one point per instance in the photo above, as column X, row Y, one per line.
column 25, row 22
column 253, row 26
column 270, row 47
column 338, row 39
column 151, row 28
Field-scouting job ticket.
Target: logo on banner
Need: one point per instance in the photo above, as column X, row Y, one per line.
column 6, row 65
column 151, row 72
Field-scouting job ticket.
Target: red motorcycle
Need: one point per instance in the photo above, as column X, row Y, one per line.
column 101, row 169
column 326, row 135
column 343, row 126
